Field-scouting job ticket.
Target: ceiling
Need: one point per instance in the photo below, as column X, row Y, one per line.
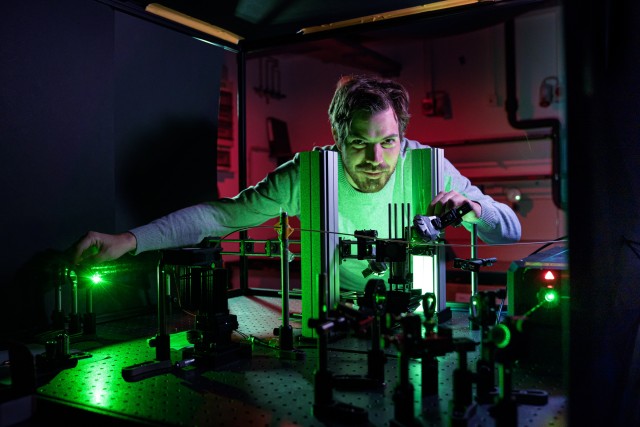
column 332, row 30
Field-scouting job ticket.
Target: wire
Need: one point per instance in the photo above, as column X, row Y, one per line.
column 499, row 313
column 631, row 244
column 559, row 239
column 451, row 245
column 237, row 230
column 255, row 340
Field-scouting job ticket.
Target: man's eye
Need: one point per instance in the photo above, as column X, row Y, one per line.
column 357, row 144
column 389, row 143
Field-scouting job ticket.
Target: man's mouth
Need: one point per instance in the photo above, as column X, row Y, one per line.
column 371, row 171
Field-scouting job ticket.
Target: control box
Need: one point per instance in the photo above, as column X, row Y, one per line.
column 538, row 289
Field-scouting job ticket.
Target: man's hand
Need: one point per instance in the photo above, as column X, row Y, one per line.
column 96, row 247
column 445, row 201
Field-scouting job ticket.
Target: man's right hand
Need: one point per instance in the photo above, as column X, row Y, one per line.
column 96, row 247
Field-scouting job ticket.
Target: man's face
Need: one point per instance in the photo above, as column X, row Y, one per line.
column 370, row 151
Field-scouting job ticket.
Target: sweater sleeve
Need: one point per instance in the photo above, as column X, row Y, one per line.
column 498, row 223
column 279, row 190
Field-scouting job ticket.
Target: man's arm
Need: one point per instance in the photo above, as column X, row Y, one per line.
column 496, row 222
column 190, row 225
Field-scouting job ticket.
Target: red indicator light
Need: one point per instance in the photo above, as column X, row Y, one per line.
column 549, row 275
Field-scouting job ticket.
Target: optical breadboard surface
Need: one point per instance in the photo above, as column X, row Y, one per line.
column 261, row 390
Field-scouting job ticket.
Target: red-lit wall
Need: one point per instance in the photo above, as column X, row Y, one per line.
column 471, row 69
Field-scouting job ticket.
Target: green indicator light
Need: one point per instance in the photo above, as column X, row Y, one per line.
column 96, row 278
column 550, row 296
column 324, row 308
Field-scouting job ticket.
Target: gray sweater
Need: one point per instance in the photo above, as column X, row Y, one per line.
column 280, row 190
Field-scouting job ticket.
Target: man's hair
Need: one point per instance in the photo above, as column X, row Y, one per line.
column 370, row 94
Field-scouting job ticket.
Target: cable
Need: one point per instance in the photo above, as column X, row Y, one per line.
column 559, row 239
column 499, row 313
column 459, row 245
column 630, row 244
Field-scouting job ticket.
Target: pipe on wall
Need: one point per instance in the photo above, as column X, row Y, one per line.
column 511, row 107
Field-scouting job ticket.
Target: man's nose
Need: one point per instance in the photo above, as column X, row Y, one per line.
column 374, row 154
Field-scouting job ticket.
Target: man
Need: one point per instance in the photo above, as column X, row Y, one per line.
column 368, row 117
